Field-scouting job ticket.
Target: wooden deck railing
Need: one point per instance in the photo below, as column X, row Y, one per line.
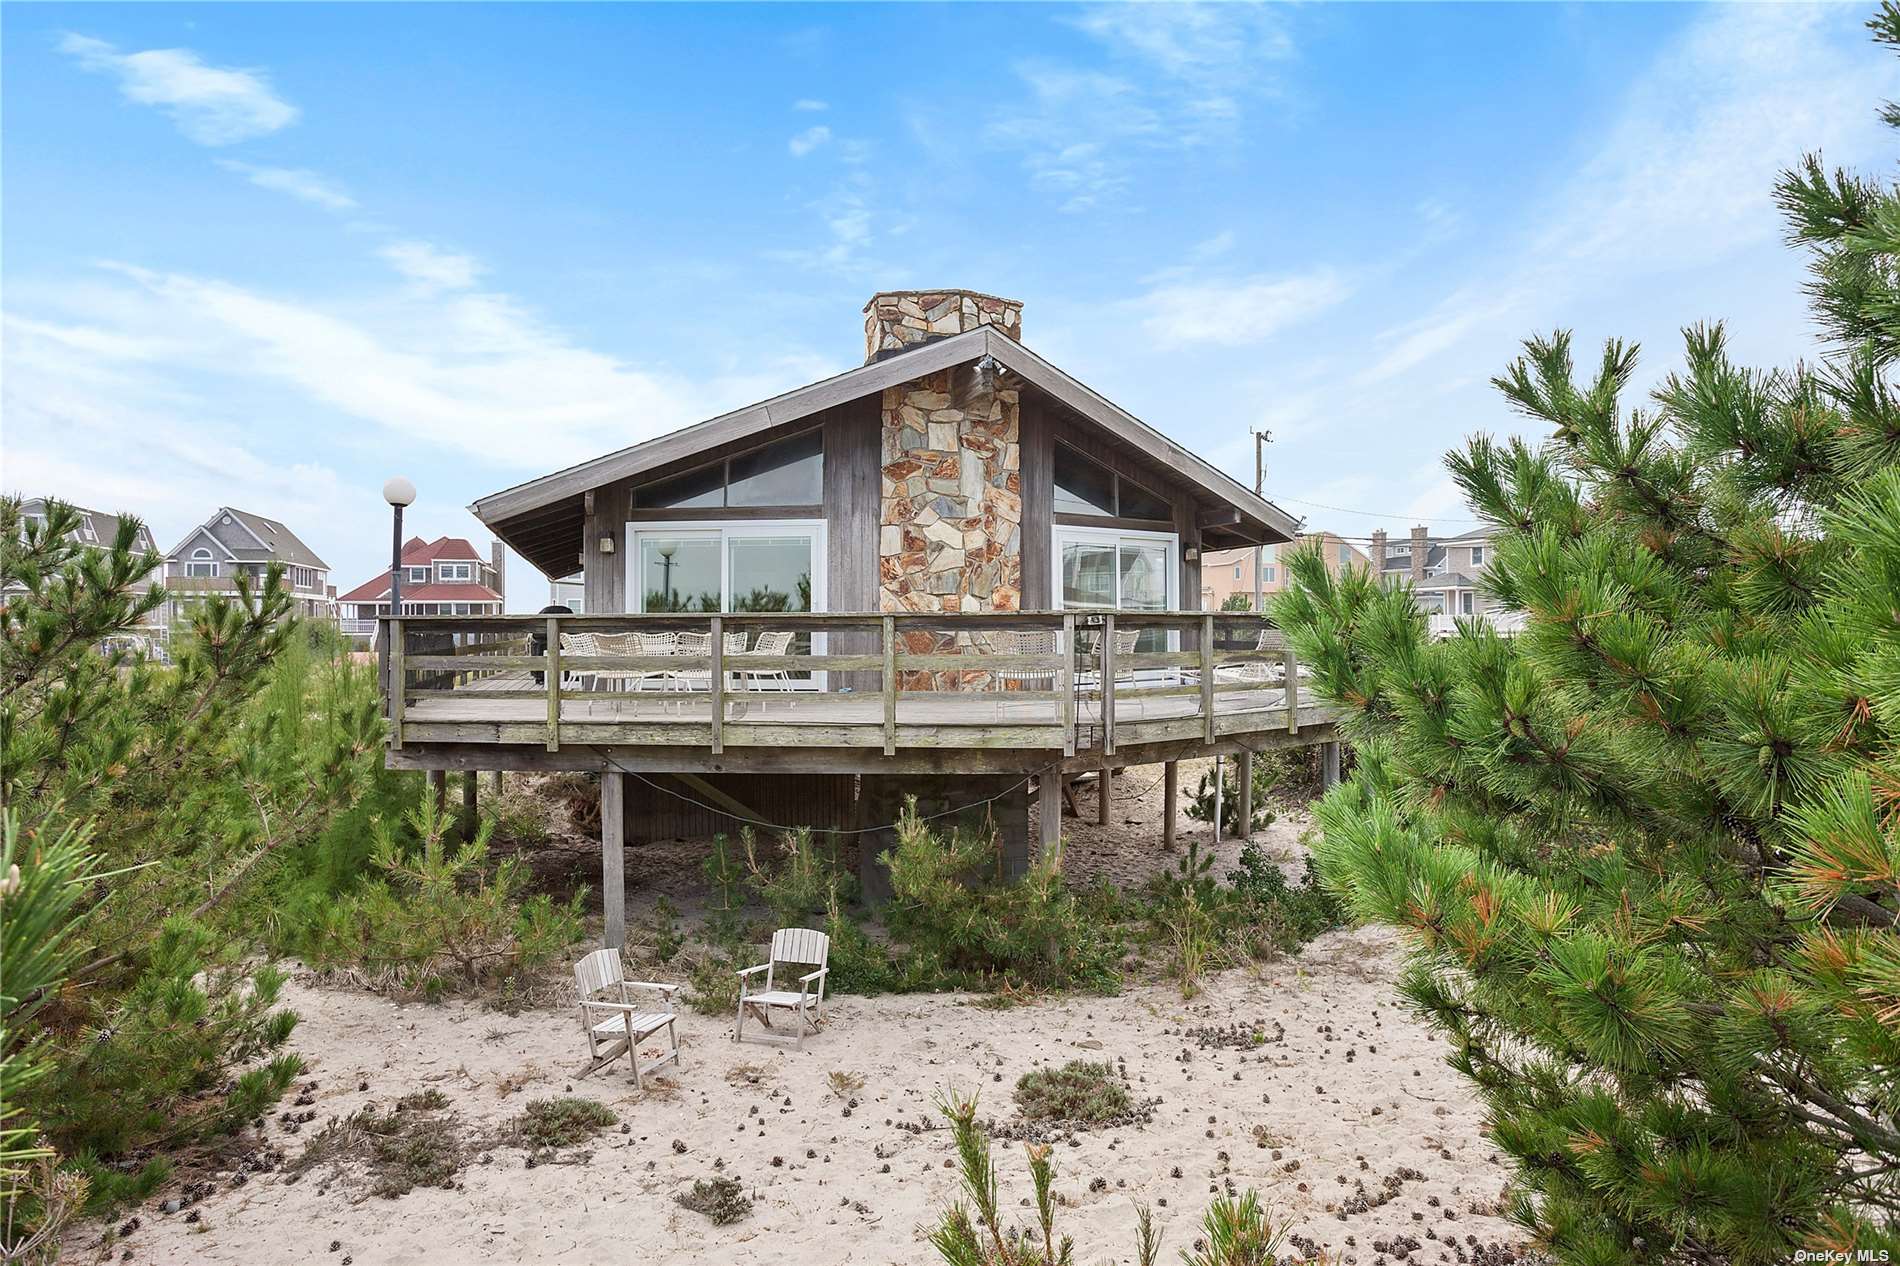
column 881, row 680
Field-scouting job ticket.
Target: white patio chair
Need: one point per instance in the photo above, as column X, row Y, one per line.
column 1005, row 643
column 616, row 1022
column 1258, row 672
column 654, row 644
column 579, row 644
column 775, row 643
column 791, row 947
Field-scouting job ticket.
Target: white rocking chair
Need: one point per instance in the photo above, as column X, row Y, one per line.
column 625, row 1025
column 790, row 946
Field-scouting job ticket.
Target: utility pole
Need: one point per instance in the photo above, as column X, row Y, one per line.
column 1260, row 439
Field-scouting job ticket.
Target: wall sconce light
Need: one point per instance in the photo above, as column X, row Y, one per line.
column 606, row 544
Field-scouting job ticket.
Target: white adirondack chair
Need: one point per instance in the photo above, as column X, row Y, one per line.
column 617, row 1022
column 790, row 947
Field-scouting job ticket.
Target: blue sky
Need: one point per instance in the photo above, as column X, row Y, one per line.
column 267, row 255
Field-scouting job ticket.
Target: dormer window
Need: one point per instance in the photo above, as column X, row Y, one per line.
column 453, row 571
column 201, row 563
column 419, row 575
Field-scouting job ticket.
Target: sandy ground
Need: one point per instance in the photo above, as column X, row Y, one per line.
column 1349, row 1125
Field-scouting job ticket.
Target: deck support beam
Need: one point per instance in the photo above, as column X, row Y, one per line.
column 1329, row 765
column 1101, row 797
column 1243, row 771
column 470, row 816
column 613, row 860
column 1170, row 797
column 439, row 789
column 1049, row 813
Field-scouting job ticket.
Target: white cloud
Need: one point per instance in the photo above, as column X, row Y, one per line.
column 212, row 105
column 1178, row 76
column 431, row 267
column 810, row 104
column 808, row 140
column 306, row 186
column 1237, row 313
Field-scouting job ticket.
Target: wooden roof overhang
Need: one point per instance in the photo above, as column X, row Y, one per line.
column 544, row 519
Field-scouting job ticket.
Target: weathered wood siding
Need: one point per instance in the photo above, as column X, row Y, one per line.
column 1038, row 488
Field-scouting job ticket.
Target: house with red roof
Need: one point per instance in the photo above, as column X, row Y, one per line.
column 446, row 576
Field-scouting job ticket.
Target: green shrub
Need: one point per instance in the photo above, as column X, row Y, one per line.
column 556, row 1123
column 416, row 1144
column 956, row 916
column 439, row 918
column 1082, row 1091
column 721, row 1199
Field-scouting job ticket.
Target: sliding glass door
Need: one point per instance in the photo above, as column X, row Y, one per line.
column 737, row 565
column 1103, row 569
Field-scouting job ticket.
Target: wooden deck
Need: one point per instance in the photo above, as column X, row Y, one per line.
column 873, row 693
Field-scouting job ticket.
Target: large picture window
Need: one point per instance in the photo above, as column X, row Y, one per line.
column 788, row 472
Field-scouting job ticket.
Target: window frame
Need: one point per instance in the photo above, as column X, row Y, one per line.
column 1116, row 478
column 724, row 466
column 201, row 557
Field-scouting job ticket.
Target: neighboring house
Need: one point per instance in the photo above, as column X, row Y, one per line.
column 99, row 529
column 1225, row 573
column 569, row 592
column 446, row 576
column 233, row 543
column 955, row 470
column 1445, row 574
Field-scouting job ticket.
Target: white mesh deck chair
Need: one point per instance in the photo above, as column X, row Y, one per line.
column 774, row 643
column 1258, row 672
column 615, row 1021
column 1005, row 643
column 791, row 947
column 578, row 644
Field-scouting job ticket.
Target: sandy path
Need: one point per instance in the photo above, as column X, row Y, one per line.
column 1354, row 1078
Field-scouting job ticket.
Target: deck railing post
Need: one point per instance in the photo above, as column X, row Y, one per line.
column 398, row 677
column 1065, row 683
column 554, row 683
column 1108, row 684
column 718, row 684
column 1292, row 690
column 890, row 685
column 1207, row 677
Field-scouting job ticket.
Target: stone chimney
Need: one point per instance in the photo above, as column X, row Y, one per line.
column 1376, row 552
column 1421, row 548
column 498, row 556
column 897, row 320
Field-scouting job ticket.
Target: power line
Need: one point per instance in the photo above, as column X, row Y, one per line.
column 1374, row 514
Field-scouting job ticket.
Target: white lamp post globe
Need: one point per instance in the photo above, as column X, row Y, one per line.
column 399, row 491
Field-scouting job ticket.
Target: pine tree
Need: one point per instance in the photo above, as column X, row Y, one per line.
column 136, row 797
column 1647, row 852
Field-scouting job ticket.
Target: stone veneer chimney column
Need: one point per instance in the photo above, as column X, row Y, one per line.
column 950, row 521
column 1421, row 548
column 897, row 320
column 1376, row 552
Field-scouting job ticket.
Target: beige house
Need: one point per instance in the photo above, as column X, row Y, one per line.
column 1227, row 572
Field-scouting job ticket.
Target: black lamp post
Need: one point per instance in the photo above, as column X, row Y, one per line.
column 398, row 492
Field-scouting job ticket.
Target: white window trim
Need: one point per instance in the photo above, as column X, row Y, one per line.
column 726, row 530
column 201, row 557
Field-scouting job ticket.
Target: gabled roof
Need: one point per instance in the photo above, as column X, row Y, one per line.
column 417, row 552
column 549, row 490
column 275, row 540
column 102, row 528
